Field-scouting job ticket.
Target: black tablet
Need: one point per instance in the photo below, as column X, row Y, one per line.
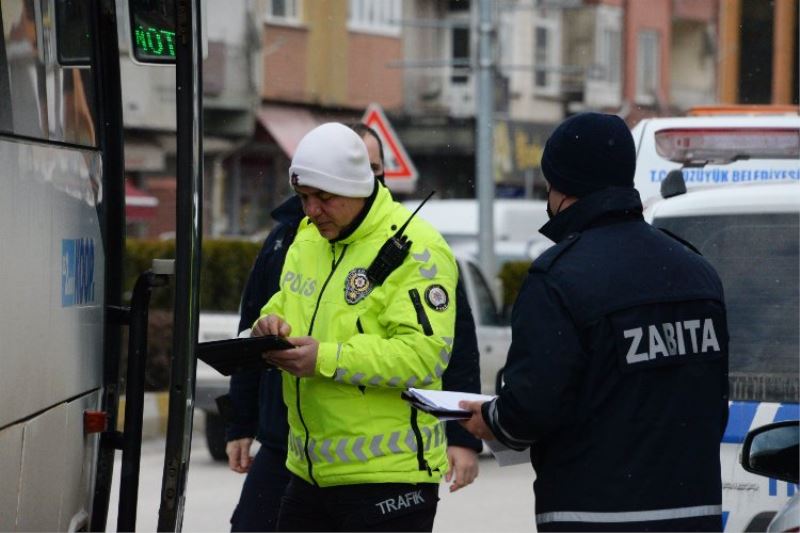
column 230, row 356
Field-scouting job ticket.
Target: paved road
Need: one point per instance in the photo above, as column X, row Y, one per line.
column 500, row 500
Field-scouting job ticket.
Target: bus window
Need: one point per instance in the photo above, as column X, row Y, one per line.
column 152, row 31
column 5, row 88
column 77, row 120
column 49, row 90
column 73, row 40
column 26, row 69
column 486, row 310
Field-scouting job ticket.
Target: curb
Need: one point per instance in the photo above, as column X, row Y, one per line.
column 154, row 415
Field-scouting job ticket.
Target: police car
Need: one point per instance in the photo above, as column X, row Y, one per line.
column 210, row 384
column 736, row 197
column 773, row 451
column 718, row 147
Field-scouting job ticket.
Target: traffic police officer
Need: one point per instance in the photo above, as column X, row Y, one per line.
column 257, row 400
column 366, row 324
column 617, row 373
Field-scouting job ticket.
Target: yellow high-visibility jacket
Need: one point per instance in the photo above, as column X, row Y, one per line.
column 348, row 424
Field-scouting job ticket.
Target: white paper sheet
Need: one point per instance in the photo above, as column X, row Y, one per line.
column 444, row 402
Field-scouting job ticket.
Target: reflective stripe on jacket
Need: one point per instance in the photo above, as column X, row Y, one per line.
column 348, row 423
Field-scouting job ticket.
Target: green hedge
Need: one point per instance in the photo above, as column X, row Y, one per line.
column 223, row 271
column 226, row 264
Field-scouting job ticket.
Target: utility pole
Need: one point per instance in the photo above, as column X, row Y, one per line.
column 484, row 127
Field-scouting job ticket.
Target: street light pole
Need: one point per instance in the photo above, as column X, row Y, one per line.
column 484, row 126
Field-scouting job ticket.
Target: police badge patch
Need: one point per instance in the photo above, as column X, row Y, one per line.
column 356, row 286
column 436, row 297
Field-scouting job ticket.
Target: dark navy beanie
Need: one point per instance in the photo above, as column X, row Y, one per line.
column 588, row 152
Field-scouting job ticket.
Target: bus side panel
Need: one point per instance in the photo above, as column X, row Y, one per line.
column 52, row 277
column 57, row 467
column 80, row 452
column 41, row 481
column 10, row 467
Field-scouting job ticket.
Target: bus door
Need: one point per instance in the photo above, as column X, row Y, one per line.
column 169, row 33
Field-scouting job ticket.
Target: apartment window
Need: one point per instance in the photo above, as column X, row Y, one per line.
column 284, row 10
column 546, row 49
column 375, row 16
column 647, row 67
column 540, row 49
column 610, row 54
column 459, row 53
column 454, row 6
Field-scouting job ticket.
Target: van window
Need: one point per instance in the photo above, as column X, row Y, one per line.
column 486, row 312
column 756, row 256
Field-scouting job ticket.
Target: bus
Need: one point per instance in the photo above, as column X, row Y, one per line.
column 63, row 232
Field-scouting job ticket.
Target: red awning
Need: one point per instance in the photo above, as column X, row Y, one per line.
column 287, row 125
column 138, row 204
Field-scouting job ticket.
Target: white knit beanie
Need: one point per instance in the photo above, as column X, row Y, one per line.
column 334, row 159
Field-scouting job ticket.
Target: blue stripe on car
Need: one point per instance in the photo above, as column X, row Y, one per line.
column 787, row 411
column 740, row 417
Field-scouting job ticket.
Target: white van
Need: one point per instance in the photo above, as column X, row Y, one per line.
column 716, row 151
column 751, row 235
column 742, row 211
column 515, row 220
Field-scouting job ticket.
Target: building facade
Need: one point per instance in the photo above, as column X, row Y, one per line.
column 231, row 76
column 277, row 68
column 758, row 52
column 321, row 61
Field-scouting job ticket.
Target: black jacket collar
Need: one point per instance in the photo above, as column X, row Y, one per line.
column 599, row 208
column 289, row 212
column 356, row 223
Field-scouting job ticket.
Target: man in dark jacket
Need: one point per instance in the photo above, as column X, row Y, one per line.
column 258, row 408
column 617, row 373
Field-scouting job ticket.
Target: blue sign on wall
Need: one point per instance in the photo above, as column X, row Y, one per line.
column 77, row 272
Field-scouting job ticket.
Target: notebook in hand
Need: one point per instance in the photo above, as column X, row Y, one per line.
column 442, row 404
column 230, row 356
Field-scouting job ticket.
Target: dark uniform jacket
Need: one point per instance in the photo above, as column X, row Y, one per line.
column 617, row 374
column 256, row 400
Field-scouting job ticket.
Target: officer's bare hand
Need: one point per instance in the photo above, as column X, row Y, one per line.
column 300, row 361
column 475, row 424
column 271, row 325
column 463, row 464
column 239, row 459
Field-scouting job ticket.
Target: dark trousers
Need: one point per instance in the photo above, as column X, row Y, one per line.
column 262, row 492
column 366, row 507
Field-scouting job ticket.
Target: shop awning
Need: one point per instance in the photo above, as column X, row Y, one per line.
column 139, row 205
column 287, row 125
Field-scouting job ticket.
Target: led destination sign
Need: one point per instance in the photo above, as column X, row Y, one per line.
column 154, row 43
column 152, row 24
